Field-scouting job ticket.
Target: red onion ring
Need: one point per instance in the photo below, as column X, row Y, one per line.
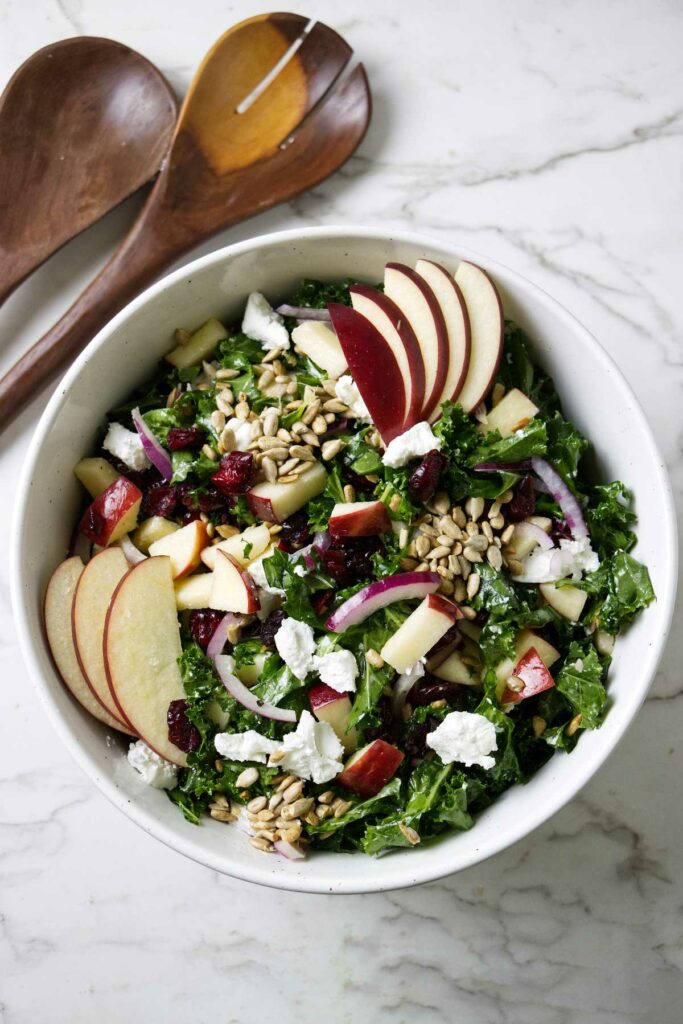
column 571, row 510
column 155, row 451
column 220, row 633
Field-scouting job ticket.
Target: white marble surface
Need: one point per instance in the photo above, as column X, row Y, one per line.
column 548, row 135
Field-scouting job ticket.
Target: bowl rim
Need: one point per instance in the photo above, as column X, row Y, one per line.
column 400, row 872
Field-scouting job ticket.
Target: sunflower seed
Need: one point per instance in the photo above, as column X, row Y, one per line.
column 261, row 844
column 330, row 449
column 494, row 558
column 256, row 805
column 319, row 425
column 459, row 517
column 409, row 833
column 297, row 451
column 473, row 585
column 266, row 378
column 293, row 792
column 269, row 467
column 497, row 522
column 538, row 724
column 246, row 778
column 242, row 411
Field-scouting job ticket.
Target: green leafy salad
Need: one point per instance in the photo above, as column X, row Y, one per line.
column 352, row 573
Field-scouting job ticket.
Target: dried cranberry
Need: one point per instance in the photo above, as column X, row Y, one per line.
column 181, row 731
column 295, row 533
column 203, row 623
column 523, row 501
column 321, row 601
column 361, row 485
column 429, row 689
column 269, row 628
column 424, row 479
column 235, row 474
column 142, row 478
column 560, row 531
column 160, row 500
column 181, row 438
column 348, row 559
column 212, row 501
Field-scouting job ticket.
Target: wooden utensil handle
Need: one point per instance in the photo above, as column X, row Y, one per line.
column 145, row 252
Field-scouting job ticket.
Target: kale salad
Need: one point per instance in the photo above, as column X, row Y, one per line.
column 343, row 573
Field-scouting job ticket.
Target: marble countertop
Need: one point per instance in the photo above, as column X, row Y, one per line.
column 547, row 135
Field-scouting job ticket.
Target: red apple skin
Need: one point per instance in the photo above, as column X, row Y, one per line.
column 374, row 369
column 322, row 694
column 429, row 401
column 250, row 585
column 534, row 674
column 410, row 345
column 103, row 515
column 262, row 508
column 371, row 768
column 366, row 522
column 443, row 605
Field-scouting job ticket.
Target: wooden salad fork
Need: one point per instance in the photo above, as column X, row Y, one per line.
column 271, row 112
column 84, row 123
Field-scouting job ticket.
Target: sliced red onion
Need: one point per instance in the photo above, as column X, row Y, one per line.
column 245, row 696
column 403, row 587
column 304, row 313
column 571, row 509
column 503, row 467
column 132, row 554
column 220, row 633
column 292, row 851
column 155, row 451
column 533, row 532
column 322, row 541
column 402, row 688
column 81, row 547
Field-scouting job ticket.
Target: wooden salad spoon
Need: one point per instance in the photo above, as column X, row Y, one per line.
column 246, row 139
column 83, row 124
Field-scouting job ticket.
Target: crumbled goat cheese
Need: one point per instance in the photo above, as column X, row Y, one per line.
column 300, row 570
column 263, row 324
column 337, row 669
column 126, row 446
column 155, row 770
column 241, row 430
column 573, row 558
column 412, row 444
column 348, row 393
column 312, row 751
column 466, row 738
column 296, row 646
column 244, row 746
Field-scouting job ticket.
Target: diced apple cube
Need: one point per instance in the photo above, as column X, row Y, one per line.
column 421, row 630
column 328, row 705
column 113, row 514
column 359, row 519
column 199, row 346
column 320, row 343
column 95, row 475
column 184, row 548
column 513, row 411
column 533, row 673
column 233, row 589
column 367, row 771
column 567, row 601
column 455, row 670
column 275, row 502
column 244, row 547
column 152, row 530
column 194, row 591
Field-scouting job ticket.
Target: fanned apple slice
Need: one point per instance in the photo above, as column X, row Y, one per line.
column 487, row 329
column 142, row 647
column 454, row 310
column 419, row 304
column 94, row 590
column 59, row 599
column 396, row 330
column 374, row 368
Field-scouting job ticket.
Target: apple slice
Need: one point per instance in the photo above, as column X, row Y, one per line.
column 513, row 411
column 359, row 519
column 454, row 311
column 250, row 674
column 374, row 368
column 567, row 601
column 367, row 771
column 194, row 591
column 420, row 631
column 95, row 475
column 275, row 502
column 455, row 670
column 184, row 548
column 487, row 328
column 94, row 590
column 533, row 672
column 152, row 530
column 113, row 513
column 319, row 342
column 396, row 330
column 58, row 604
column 142, row 647
column 233, row 589
column 419, row 304
column 524, row 641
column 244, row 547
column 328, row 705
column 199, row 346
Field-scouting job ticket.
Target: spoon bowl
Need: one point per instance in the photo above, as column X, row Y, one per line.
column 84, row 123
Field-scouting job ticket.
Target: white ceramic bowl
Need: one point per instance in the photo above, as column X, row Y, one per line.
column 596, row 397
